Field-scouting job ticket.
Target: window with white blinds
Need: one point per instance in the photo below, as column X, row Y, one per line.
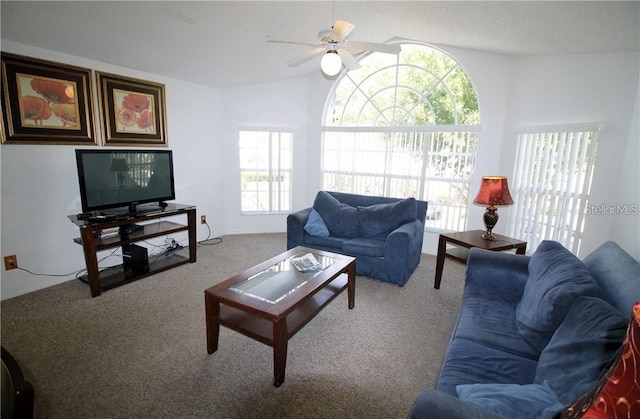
column 265, row 170
column 551, row 184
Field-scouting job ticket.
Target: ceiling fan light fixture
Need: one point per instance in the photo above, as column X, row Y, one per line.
column 331, row 64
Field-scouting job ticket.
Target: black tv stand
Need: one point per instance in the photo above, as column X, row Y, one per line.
column 109, row 278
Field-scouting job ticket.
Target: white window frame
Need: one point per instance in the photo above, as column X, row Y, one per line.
column 448, row 204
column 278, row 164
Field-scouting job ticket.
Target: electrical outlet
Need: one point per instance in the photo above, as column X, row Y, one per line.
column 203, row 219
column 10, row 262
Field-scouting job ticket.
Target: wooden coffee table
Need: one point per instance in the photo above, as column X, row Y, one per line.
column 272, row 301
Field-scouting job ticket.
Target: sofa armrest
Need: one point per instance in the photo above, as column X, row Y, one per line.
column 504, row 273
column 404, row 237
column 402, row 249
column 295, row 227
column 433, row 404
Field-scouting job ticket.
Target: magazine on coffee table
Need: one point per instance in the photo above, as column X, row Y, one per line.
column 305, row 263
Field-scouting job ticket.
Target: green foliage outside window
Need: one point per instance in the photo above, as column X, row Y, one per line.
column 422, row 86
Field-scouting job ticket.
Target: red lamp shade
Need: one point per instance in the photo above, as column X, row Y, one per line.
column 494, row 191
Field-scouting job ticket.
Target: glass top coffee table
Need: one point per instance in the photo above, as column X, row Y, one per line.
column 272, row 301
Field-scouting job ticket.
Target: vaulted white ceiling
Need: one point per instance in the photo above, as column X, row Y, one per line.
column 223, row 43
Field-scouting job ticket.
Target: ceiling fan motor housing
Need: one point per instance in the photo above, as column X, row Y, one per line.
column 334, row 40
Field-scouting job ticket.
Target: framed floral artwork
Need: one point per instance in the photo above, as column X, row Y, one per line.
column 132, row 111
column 44, row 102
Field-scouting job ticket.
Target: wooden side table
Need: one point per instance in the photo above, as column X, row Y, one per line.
column 464, row 241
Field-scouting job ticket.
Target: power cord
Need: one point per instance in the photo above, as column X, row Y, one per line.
column 78, row 273
column 210, row 241
column 43, row 274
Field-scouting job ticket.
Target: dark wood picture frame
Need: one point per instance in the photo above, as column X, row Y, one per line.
column 132, row 111
column 44, row 102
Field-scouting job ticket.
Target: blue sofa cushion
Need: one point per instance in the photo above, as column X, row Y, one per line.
column 381, row 219
column 468, row 362
column 534, row 401
column 618, row 274
column 315, row 225
column 341, row 219
column 556, row 278
column 489, row 318
column 433, row 404
column 365, row 247
column 583, row 347
column 331, row 243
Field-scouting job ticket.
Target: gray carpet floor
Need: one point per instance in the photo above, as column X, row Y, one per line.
column 139, row 351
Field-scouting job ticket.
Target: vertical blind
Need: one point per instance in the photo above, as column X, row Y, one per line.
column 551, row 184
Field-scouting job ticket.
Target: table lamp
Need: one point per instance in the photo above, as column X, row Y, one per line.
column 494, row 192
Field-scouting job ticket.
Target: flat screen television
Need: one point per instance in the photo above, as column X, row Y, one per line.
column 124, row 179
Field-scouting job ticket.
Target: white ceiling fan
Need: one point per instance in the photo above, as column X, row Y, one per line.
column 337, row 48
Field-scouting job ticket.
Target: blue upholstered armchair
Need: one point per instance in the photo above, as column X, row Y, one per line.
column 383, row 234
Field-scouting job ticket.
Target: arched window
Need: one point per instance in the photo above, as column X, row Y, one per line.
column 401, row 126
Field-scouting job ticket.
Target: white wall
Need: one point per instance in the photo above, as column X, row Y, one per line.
column 626, row 227
column 40, row 187
column 278, row 104
column 548, row 90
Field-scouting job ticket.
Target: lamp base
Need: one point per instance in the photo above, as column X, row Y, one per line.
column 488, row 236
column 490, row 221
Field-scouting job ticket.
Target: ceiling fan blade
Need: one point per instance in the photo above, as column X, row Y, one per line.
column 305, row 56
column 291, row 41
column 341, row 30
column 372, row 46
column 348, row 60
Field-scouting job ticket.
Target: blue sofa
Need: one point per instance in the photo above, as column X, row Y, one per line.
column 534, row 333
column 383, row 234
